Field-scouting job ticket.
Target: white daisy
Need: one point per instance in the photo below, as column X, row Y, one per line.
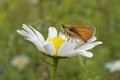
column 113, row 66
column 56, row 44
column 20, row 61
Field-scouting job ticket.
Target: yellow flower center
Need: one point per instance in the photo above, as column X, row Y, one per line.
column 20, row 62
column 57, row 42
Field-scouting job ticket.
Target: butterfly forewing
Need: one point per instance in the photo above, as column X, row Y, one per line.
column 82, row 33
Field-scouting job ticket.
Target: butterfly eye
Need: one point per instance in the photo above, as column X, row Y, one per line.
column 63, row 27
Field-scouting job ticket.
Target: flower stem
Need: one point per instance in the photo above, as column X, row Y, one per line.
column 54, row 69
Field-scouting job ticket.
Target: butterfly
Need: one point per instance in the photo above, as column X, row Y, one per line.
column 83, row 33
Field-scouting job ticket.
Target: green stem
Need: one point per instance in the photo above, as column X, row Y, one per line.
column 54, row 69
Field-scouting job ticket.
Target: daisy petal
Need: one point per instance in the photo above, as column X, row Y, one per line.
column 36, row 43
column 28, row 30
column 62, row 36
column 38, row 34
column 52, row 33
column 36, row 39
column 84, row 53
column 32, row 33
column 49, row 48
column 88, row 46
column 79, row 52
column 65, row 48
column 22, row 32
column 25, row 34
column 92, row 39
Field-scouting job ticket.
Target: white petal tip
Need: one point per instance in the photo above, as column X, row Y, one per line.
column 98, row 43
column 101, row 42
column 52, row 32
column 51, row 27
column 90, row 55
column 19, row 31
column 23, row 24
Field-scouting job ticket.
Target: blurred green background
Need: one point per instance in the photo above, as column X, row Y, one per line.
column 103, row 14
